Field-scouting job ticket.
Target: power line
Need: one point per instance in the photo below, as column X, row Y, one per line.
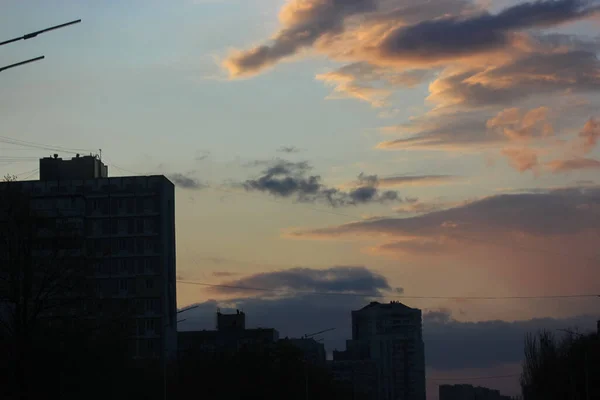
column 284, row 291
column 21, row 63
column 36, row 33
column 42, row 146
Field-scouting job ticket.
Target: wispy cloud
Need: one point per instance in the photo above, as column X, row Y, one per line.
column 186, row 181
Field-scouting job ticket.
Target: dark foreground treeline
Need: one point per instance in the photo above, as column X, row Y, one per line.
column 73, row 366
column 566, row 368
column 256, row 372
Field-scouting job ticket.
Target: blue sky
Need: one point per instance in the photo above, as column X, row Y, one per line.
column 490, row 135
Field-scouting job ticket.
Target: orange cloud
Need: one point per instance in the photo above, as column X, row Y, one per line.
column 590, row 134
column 522, row 159
column 573, row 164
column 518, row 125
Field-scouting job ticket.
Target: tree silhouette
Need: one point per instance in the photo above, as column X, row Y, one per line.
column 565, row 368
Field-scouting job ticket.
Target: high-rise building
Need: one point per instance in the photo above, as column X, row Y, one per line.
column 390, row 335
column 126, row 232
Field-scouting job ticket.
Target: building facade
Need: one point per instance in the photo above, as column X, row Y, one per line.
column 126, row 237
column 230, row 336
column 390, row 335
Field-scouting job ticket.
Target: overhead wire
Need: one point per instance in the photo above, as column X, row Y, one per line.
column 42, row 146
column 378, row 295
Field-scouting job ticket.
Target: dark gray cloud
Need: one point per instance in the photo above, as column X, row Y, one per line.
column 201, row 155
column 186, row 181
column 452, row 344
column 283, row 178
column 453, row 37
column 347, row 279
column 543, row 213
column 449, row 344
column 449, row 131
column 288, row 149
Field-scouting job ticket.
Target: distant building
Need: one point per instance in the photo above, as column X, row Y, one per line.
column 469, row 392
column 231, row 336
column 313, row 351
column 231, row 322
column 127, row 231
column 390, row 335
column 358, row 376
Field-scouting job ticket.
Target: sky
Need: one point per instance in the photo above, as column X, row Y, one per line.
column 441, row 150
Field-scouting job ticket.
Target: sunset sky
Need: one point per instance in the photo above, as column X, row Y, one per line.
column 441, row 148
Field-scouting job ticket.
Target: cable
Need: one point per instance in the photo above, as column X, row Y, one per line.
column 42, row 146
column 284, row 291
column 31, row 174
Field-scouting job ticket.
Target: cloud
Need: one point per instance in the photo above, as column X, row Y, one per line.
column 455, row 37
column 223, row 274
column 371, row 83
column 522, row 159
column 420, row 207
column 452, row 344
column 288, row 149
column 446, row 131
column 283, row 178
column 534, row 74
column 590, row 134
column 558, row 166
column 518, row 125
column 400, row 32
column 523, row 239
column 202, row 155
column 304, row 22
column 186, row 182
column 544, row 213
column 417, row 180
column 344, row 279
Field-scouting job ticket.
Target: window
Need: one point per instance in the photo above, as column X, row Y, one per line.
column 139, row 266
column 123, row 285
column 151, row 306
column 140, row 225
column 149, row 225
column 149, row 283
column 122, row 225
column 149, row 325
column 130, row 206
column 106, row 227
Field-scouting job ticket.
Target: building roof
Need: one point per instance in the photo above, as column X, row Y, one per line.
column 393, row 304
